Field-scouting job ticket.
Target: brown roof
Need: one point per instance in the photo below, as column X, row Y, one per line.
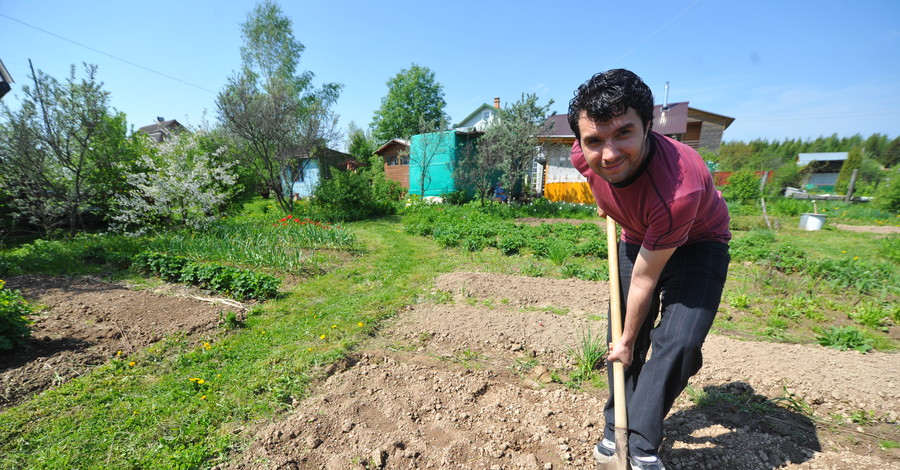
column 171, row 124
column 671, row 121
column 559, row 126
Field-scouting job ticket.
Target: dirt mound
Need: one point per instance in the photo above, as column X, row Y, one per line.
column 83, row 322
column 467, row 383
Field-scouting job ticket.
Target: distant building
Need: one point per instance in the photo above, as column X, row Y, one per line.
column 480, row 119
column 824, row 169
column 5, row 80
column 695, row 127
column 162, row 129
column 395, row 154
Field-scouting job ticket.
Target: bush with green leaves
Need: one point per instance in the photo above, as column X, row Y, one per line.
column 888, row 195
column 348, row 196
column 241, row 284
column 742, row 187
column 14, row 311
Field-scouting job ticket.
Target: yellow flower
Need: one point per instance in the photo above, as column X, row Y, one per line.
column 309, row 349
column 203, row 397
column 856, row 257
column 118, row 353
column 843, row 251
column 200, row 381
column 132, row 363
column 360, row 324
column 322, row 337
column 207, row 346
column 333, row 326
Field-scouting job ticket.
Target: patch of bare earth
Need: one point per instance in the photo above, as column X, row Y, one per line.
column 468, row 383
column 883, row 229
column 84, row 322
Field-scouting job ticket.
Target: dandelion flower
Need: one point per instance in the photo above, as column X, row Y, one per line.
column 118, row 353
column 333, row 326
column 200, row 381
column 843, row 251
column 203, row 397
column 856, row 257
column 360, row 324
column 322, row 337
column 132, row 363
column 309, row 349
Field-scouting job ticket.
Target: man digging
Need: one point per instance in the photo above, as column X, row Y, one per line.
column 673, row 258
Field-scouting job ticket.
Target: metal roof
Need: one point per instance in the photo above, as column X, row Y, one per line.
column 671, row 121
column 805, row 158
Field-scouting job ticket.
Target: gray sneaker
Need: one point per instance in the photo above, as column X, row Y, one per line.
column 605, row 451
column 644, row 464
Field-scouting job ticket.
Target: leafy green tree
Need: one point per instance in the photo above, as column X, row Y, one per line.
column 274, row 115
column 360, row 143
column 853, row 162
column 414, row 97
column 891, row 156
column 511, row 140
column 476, row 170
column 63, row 150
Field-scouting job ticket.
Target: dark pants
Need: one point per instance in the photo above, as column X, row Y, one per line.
column 687, row 297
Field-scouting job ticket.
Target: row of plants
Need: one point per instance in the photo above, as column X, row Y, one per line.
column 474, row 229
column 258, row 242
column 761, row 246
column 241, row 284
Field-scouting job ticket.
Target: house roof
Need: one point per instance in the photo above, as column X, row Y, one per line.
column 475, row 113
column 559, row 126
column 399, row 144
column 672, row 120
column 805, row 158
column 699, row 114
column 160, row 125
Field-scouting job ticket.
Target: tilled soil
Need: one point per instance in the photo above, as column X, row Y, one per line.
column 469, row 384
column 470, row 380
column 83, row 322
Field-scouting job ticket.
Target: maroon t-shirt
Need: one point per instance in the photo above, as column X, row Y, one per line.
column 671, row 201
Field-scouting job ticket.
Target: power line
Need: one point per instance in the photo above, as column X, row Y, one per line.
column 107, row 54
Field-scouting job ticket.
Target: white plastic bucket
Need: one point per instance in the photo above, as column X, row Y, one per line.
column 812, row 221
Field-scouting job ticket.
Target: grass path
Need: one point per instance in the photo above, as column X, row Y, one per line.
column 182, row 403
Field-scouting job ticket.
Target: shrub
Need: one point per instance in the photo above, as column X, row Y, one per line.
column 742, row 187
column 348, row 196
column 13, row 318
column 888, row 196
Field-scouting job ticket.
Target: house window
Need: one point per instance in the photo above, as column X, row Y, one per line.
column 404, row 159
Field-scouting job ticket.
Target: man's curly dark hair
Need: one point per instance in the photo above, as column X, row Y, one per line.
column 610, row 94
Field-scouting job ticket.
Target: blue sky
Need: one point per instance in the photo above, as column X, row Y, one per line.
column 782, row 69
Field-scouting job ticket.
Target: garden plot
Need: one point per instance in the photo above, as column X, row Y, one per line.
column 85, row 322
column 469, row 379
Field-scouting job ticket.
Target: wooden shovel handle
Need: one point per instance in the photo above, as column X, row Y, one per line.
column 615, row 324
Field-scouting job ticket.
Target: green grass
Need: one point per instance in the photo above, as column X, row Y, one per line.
column 152, row 415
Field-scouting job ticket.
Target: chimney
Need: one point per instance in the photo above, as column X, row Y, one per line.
column 666, row 101
column 497, row 102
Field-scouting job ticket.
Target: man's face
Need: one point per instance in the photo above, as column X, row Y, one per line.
column 616, row 148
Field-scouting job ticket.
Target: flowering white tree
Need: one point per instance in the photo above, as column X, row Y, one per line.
column 179, row 185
